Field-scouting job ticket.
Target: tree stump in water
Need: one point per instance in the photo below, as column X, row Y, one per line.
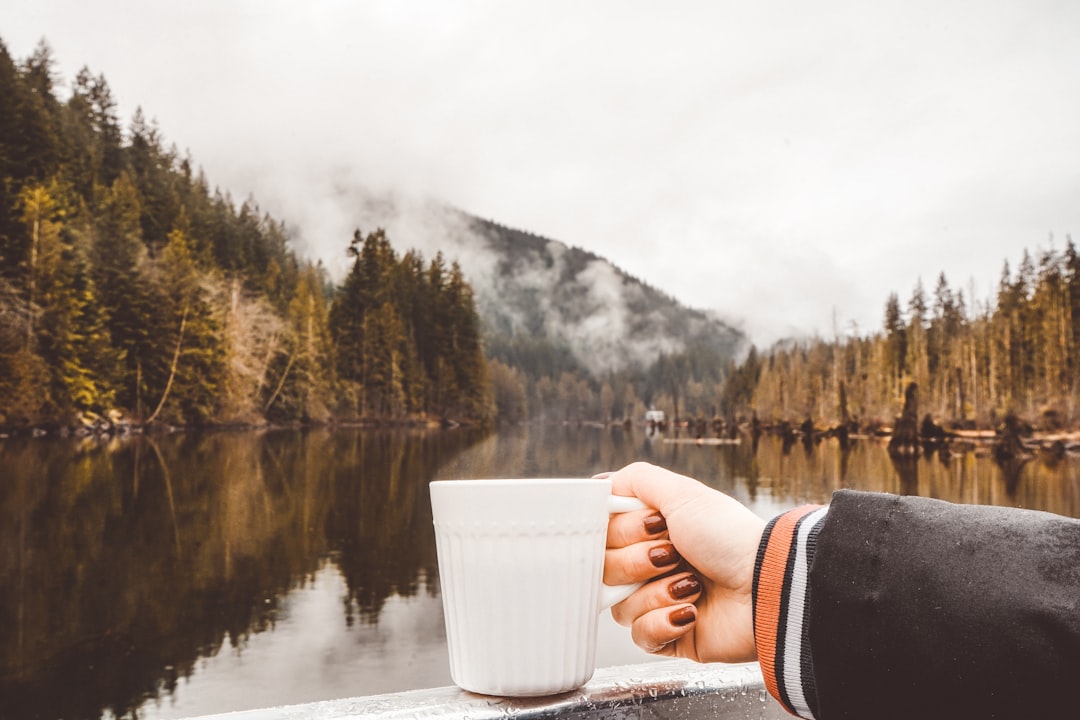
column 787, row 435
column 842, row 432
column 733, row 430
column 1009, row 445
column 930, row 431
column 699, row 428
column 905, row 437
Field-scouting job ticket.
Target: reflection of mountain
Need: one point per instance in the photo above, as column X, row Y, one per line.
column 120, row 567
column 542, row 296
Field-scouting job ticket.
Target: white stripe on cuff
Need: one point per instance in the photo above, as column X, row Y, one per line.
column 792, row 678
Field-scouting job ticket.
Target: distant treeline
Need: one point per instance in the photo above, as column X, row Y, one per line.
column 534, row 380
column 129, row 289
column 1018, row 352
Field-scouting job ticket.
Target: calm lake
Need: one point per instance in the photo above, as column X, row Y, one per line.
column 190, row 574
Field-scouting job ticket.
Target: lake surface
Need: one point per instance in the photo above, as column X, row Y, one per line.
column 190, row 574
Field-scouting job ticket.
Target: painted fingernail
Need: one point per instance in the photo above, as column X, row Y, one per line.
column 685, row 587
column 683, row 616
column 663, row 555
column 602, row 476
column 655, row 524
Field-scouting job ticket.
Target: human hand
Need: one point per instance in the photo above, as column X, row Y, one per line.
column 705, row 612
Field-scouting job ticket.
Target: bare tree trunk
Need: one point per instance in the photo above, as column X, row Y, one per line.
column 281, row 382
column 974, row 382
column 960, row 400
column 172, row 370
column 32, row 289
column 271, row 347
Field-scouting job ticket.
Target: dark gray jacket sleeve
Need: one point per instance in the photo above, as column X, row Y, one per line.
column 924, row 609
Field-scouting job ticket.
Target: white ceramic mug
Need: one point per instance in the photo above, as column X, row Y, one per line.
column 520, row 567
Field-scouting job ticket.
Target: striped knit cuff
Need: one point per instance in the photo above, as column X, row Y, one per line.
column 781, row 599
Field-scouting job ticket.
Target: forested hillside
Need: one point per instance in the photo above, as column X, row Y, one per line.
column 973, row 362
column 570, row 335
column 130, row 290
column 591, row 341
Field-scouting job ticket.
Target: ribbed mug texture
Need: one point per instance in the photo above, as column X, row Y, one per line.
column 521, row 599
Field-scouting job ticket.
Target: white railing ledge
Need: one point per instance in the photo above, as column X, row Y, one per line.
column 668, row 689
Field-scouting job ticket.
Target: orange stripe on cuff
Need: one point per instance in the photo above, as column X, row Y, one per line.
column 771, row 581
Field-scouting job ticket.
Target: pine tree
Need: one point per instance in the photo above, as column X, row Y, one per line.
column 896, row 342
column 197, row 366
column 383, row 336
column 305, row 383
column 93, row 152
column 37, row 141
column 347, row 317
column 467, row 355
column 117, row 270
column 152, row 172
column 11, row 174
column 70, row 337
column 1072, row 283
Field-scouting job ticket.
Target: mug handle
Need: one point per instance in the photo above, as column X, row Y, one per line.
column 611, row 594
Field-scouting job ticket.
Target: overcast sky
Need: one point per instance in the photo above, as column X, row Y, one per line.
column 787, row 164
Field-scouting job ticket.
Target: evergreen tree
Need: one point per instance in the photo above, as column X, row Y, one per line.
column 123, row 291
column 11, row 174
column 70, row 336
column 37, row 140
column 185, row 367
column 93, row 152
column 1071, row 273
column 347, row 317
column 896, row 340
column 307, row 390
column 469, row 368
column 153, row 173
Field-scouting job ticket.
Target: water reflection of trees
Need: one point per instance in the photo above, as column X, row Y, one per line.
column 967, row 477
column 769, row 474
column 381, row 517
column 122, row 564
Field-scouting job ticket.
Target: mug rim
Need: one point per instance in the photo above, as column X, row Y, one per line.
column 506, row 482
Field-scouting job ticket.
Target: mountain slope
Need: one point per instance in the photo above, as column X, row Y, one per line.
column 540, row 292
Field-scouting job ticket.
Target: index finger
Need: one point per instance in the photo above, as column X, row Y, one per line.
column 656, row 487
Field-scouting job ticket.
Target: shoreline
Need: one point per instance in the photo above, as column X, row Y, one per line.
column 108, row 430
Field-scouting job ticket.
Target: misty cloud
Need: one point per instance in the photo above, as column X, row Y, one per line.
column 537, row 287
column 882, row 142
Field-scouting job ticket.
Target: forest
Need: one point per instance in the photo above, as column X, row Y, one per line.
column 132, row 293
column 974, row 363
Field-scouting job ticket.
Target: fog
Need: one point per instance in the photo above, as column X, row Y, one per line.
column 787, row 164
column 540, row 287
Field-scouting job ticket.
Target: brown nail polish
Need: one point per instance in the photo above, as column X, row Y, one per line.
column 684, row 588
column 655, row 524
column 683, row 616
column 663, row 555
